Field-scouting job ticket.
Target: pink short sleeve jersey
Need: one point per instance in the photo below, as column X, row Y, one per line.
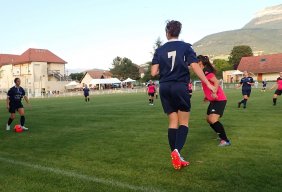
column 151, row 89
column 279, row 83
column 208, row 93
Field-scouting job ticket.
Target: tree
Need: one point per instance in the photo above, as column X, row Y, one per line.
column 76, row 76
column 158, row 43
column 124, row 68
column 147, row 75
column 221, row 65
column 237, row 53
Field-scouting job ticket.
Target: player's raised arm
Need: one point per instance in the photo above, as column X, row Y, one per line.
column 199, row 72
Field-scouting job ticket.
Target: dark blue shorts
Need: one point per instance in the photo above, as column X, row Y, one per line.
column 86, row 95
column 216, row 107
column 246, row 92
column 175, row 97
column 151, row 94
column 278, row 92
column 14, row 107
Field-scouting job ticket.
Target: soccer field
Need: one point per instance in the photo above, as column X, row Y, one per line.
column 119, row 143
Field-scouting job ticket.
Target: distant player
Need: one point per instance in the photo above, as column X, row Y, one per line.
column 151, row 89
column 171, row 61
column 190, row 88
column 246, row 82
column 278, row 91
column 263, row 85
column 86, row 93
column 217, row 100
column 14, row 103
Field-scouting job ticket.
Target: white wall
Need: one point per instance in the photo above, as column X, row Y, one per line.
column 6, row 77
column 56, row 67
column 34, row 76
column 86, row 79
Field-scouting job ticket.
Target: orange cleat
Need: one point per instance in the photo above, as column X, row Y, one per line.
column 176, row 160
column 183, row 162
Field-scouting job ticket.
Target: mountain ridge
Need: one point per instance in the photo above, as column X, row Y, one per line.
column 263, row 33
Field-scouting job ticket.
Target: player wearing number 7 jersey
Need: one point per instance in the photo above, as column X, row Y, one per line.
column 171, row 61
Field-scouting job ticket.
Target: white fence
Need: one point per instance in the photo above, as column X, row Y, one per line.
column 3, row 93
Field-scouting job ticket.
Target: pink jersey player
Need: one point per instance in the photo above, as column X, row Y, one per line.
column 220, row 96
column 217, row 100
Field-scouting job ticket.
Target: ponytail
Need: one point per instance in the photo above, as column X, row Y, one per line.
column 207, row 64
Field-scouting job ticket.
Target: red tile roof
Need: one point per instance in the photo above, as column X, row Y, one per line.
column 98, row 74
column 262, row 64
column 31, row 55
column 39, row 55
column 7, row 59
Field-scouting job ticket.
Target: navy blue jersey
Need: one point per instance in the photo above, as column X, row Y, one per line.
column 264, row 83
column 244, row 82
column 16, row 94
column 173, row 58
column 86, row 91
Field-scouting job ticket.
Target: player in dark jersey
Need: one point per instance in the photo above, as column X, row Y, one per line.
column 14, row 103
column 278, row 91
column 86, row 93
column 264, row 83
column 217, row 100
column 246, row 82
column 171, row 62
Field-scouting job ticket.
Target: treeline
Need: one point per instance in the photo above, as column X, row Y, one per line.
column 123, row 68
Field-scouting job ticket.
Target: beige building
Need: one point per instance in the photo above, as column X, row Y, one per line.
column 262, row 67
column 95, row 74
column 232, row 76
column 40, row 71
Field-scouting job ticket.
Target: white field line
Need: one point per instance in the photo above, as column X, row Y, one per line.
column 79, row 176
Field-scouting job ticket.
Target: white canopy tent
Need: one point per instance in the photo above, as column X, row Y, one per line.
column 129, row 80
column 71, row 85
column 104, row 81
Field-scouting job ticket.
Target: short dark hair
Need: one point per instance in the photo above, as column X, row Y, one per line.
column 16, row 79
column 173, row 28
column 206, row 62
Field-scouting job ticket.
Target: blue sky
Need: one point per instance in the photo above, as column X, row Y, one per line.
column 90, row 33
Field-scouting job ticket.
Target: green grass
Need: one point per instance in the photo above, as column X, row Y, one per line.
column 122, row 142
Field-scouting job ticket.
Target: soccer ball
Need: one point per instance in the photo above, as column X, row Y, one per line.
column 18, row 129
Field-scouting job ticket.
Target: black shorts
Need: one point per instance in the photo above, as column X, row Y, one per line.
column 216, row 107
column 246, row 92
column 151, row 94
column 175, row 97
column 278, row 92
column 86, row 95
column 14, row 107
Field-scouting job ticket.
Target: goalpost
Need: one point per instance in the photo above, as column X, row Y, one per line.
column 197, row 85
